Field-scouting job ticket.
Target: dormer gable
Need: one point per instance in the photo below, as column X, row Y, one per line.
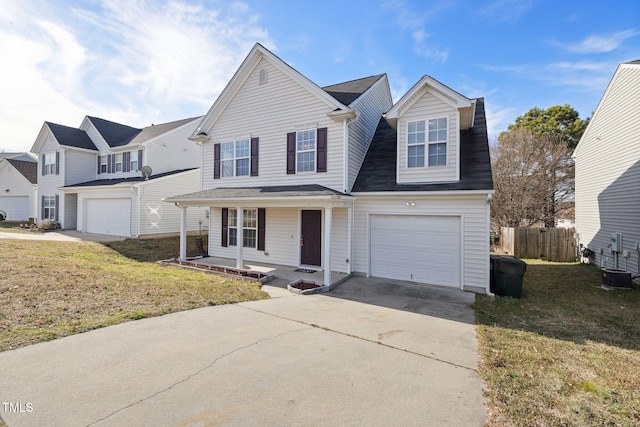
column 428, row 120
column 53, row 136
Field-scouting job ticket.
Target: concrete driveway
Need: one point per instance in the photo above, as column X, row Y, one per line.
column 61, row 236
column 371, row 352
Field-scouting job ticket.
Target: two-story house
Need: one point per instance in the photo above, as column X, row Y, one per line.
column 109, row 178
column 340, row 179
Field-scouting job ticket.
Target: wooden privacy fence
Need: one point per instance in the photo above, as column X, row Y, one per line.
column 550, row 244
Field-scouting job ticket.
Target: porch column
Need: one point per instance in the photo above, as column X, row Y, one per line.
column 349, row 237
column 327, row 245
column 240, row 237
column 183, row 233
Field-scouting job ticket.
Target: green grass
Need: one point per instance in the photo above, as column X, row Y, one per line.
column 54, row 289
column 567, row 353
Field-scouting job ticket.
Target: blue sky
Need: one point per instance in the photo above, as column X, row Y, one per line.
column 143, row 62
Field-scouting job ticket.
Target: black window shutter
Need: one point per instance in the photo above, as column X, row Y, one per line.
column 254, row 156
column 139, row 159
column 44, row 161
column 216, row 161
column 126, row 161
column 321, row 151
column 225, row 227
column 57, row 206
column 291, row 153
column 57, row 163
column 98, row 164
column 109, row 163
column 261, row 228
column 41, row 208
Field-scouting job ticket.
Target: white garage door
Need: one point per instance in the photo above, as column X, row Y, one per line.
column 16, row 207
column 421, row 248
column 108, row 216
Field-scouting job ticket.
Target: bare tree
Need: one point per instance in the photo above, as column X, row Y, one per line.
column 532, row 173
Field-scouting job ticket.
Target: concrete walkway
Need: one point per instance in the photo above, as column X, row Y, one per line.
column 371, row 352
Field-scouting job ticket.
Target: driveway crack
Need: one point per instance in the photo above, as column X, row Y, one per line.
column 346, row 334
column 196, row 373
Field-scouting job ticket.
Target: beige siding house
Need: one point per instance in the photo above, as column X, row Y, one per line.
column 607, row 161
column 340, row 179
column 91, row 177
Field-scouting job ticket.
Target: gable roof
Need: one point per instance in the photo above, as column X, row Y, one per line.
column 443, row 92
column 28, row 169
column 627, row 74
column 114, row 134
column 150, row 132
column 257, row 53
column 27, row 157
column 378, row 171
column 348, row 92
column 71, row 137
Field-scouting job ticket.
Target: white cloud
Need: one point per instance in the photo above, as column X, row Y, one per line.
column 135, row 62
column 502, row 11
column 599, row 43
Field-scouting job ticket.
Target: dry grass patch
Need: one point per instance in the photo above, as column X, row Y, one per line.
column 54, row 289
column 566, row 354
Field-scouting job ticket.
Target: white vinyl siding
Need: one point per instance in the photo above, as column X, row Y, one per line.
column 269, row 111
column 172, row 150
column 474, row 229
column 370, row 107
column 607, row 163
column 428, row 107
column 80, row 166
column 13, row 202
column 282, row 238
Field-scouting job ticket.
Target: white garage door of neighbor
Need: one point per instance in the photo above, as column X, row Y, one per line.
column 108, row 216
column 417, row 248
column 16, row 207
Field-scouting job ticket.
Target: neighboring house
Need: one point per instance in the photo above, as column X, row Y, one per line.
column 18, row 187
column 26, row 157
column 300, row 175
column 607, row 162
column 90, row 178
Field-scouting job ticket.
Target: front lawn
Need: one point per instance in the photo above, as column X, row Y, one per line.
column 567, row 353
column 50, row 290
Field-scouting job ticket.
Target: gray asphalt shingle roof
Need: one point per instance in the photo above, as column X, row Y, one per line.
column 71, row 137
column 115, row 134
column 348, row 92
column 378, row 171
column 276, row 192
column 110, row 182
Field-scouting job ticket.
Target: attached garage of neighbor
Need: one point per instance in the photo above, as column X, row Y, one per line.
column 16, row 207
column 108, row 216
column 418, row 248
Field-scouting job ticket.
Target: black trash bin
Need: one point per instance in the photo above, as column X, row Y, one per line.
column 506, row 276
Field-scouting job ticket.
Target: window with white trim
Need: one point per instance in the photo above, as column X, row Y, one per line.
column 118, row 162
column 306, row 151
column 50, row 164
column 249, row 228
column 49, row 207
column 438, row 142
column 103, row 164
column 428, row 135
column 235, row 157
column 133, row 164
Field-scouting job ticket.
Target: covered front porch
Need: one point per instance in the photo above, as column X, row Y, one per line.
column 283, row 229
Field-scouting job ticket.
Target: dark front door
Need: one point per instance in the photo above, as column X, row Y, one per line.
column 311, row 238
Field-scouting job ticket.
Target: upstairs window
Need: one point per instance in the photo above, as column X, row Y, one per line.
column 438, row 142
column 118, row 162
column 235, row 158
column 103, row 164
column 50, row 164
column 133, row 164
column 306, row 151
column 429, row 136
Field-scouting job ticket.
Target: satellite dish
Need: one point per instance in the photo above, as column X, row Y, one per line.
column 146, row 172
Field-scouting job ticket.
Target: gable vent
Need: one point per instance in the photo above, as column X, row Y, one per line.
column 263, row 76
